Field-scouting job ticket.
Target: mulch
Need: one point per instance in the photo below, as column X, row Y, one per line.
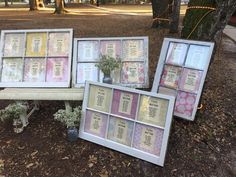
column 205, row 147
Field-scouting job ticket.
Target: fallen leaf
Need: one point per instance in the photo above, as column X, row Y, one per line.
column 29, row 165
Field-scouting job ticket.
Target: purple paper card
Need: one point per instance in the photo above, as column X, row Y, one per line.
column 190, row 80
column 124, row 103
column 148, row 139
column 185, row 103
column 88, row 51
column 120, row 130
column 34, row 70
column 95, row 123
column 57, row 70
column 111, row 48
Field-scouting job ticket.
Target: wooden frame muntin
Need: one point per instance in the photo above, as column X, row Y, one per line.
column 130, row 150
column 45, row 83
column 162, row 63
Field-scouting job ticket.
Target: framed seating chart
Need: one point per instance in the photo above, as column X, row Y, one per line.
column 133, row 52
column 36, row 58
column 131, row 121
column 181, row 72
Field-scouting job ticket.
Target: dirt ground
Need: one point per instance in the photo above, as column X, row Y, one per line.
column 203, row 148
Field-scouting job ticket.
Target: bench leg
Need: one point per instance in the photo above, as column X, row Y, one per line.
column 23, row 115
column 68, row 106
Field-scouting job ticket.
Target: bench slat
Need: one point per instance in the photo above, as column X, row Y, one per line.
column 68, row 94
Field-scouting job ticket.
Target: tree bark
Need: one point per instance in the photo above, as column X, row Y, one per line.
column 6, row 3
column 207, row 23
column 174, row 23
column 35, row 4
column 59, row 7
column 160, row 13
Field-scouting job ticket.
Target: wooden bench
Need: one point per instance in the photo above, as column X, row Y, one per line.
column 40, row 94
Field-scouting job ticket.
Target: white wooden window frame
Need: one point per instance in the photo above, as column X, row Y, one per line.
column 36, row 83
column 162, row 62
column 144, row 60
column 130, row 150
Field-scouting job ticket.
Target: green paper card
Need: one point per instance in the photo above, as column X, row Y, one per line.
column 100, row 98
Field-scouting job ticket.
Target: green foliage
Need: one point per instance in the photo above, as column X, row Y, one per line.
column 69, row 118
column 198, row 21
column 12, row 111
column 107, row 64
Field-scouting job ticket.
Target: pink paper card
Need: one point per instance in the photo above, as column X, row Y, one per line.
column 176, row 53
column 96, row 123
column 111, row 48
column 133, row 73
column 124, row 103
column 120, row 130
column 59, row 43
column 57, row 70
column 133, row 49
column 190, row 80
column 148, row 139
column 170, row 76
column 14, row 45
column 88, row 51
column 34, row 70
column 185, row 103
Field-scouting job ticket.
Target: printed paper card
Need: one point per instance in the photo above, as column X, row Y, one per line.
column 35, row 70
column 190, row 80
column 14, row 45
column 197, row 56
column 95, row 123
column 153, row 110
column 148, row 139
column 59, row 44
column 36, row 44
column 170, row 76
column 88, row 51
column 12, row 70
column 86, row 71
column 133, row 72
column 99, row 98
column 185, row 103
column 120, row 130
column 124, row 103
column 110, row 48
column 57, row 70
column 176, row 53
column 133, row 49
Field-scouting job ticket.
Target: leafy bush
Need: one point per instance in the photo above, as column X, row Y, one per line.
column 107, row 64
column 12, row 111
column 69, row 118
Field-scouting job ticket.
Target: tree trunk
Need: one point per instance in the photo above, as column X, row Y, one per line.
column 174, row 23
column 6, row 3
column 208, row 19
column 160, row 13
column 59, row 7
column 35, row 4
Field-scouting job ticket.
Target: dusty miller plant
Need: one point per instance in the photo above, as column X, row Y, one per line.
column 12, row 111
column 107, row 64
column 69, row 118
